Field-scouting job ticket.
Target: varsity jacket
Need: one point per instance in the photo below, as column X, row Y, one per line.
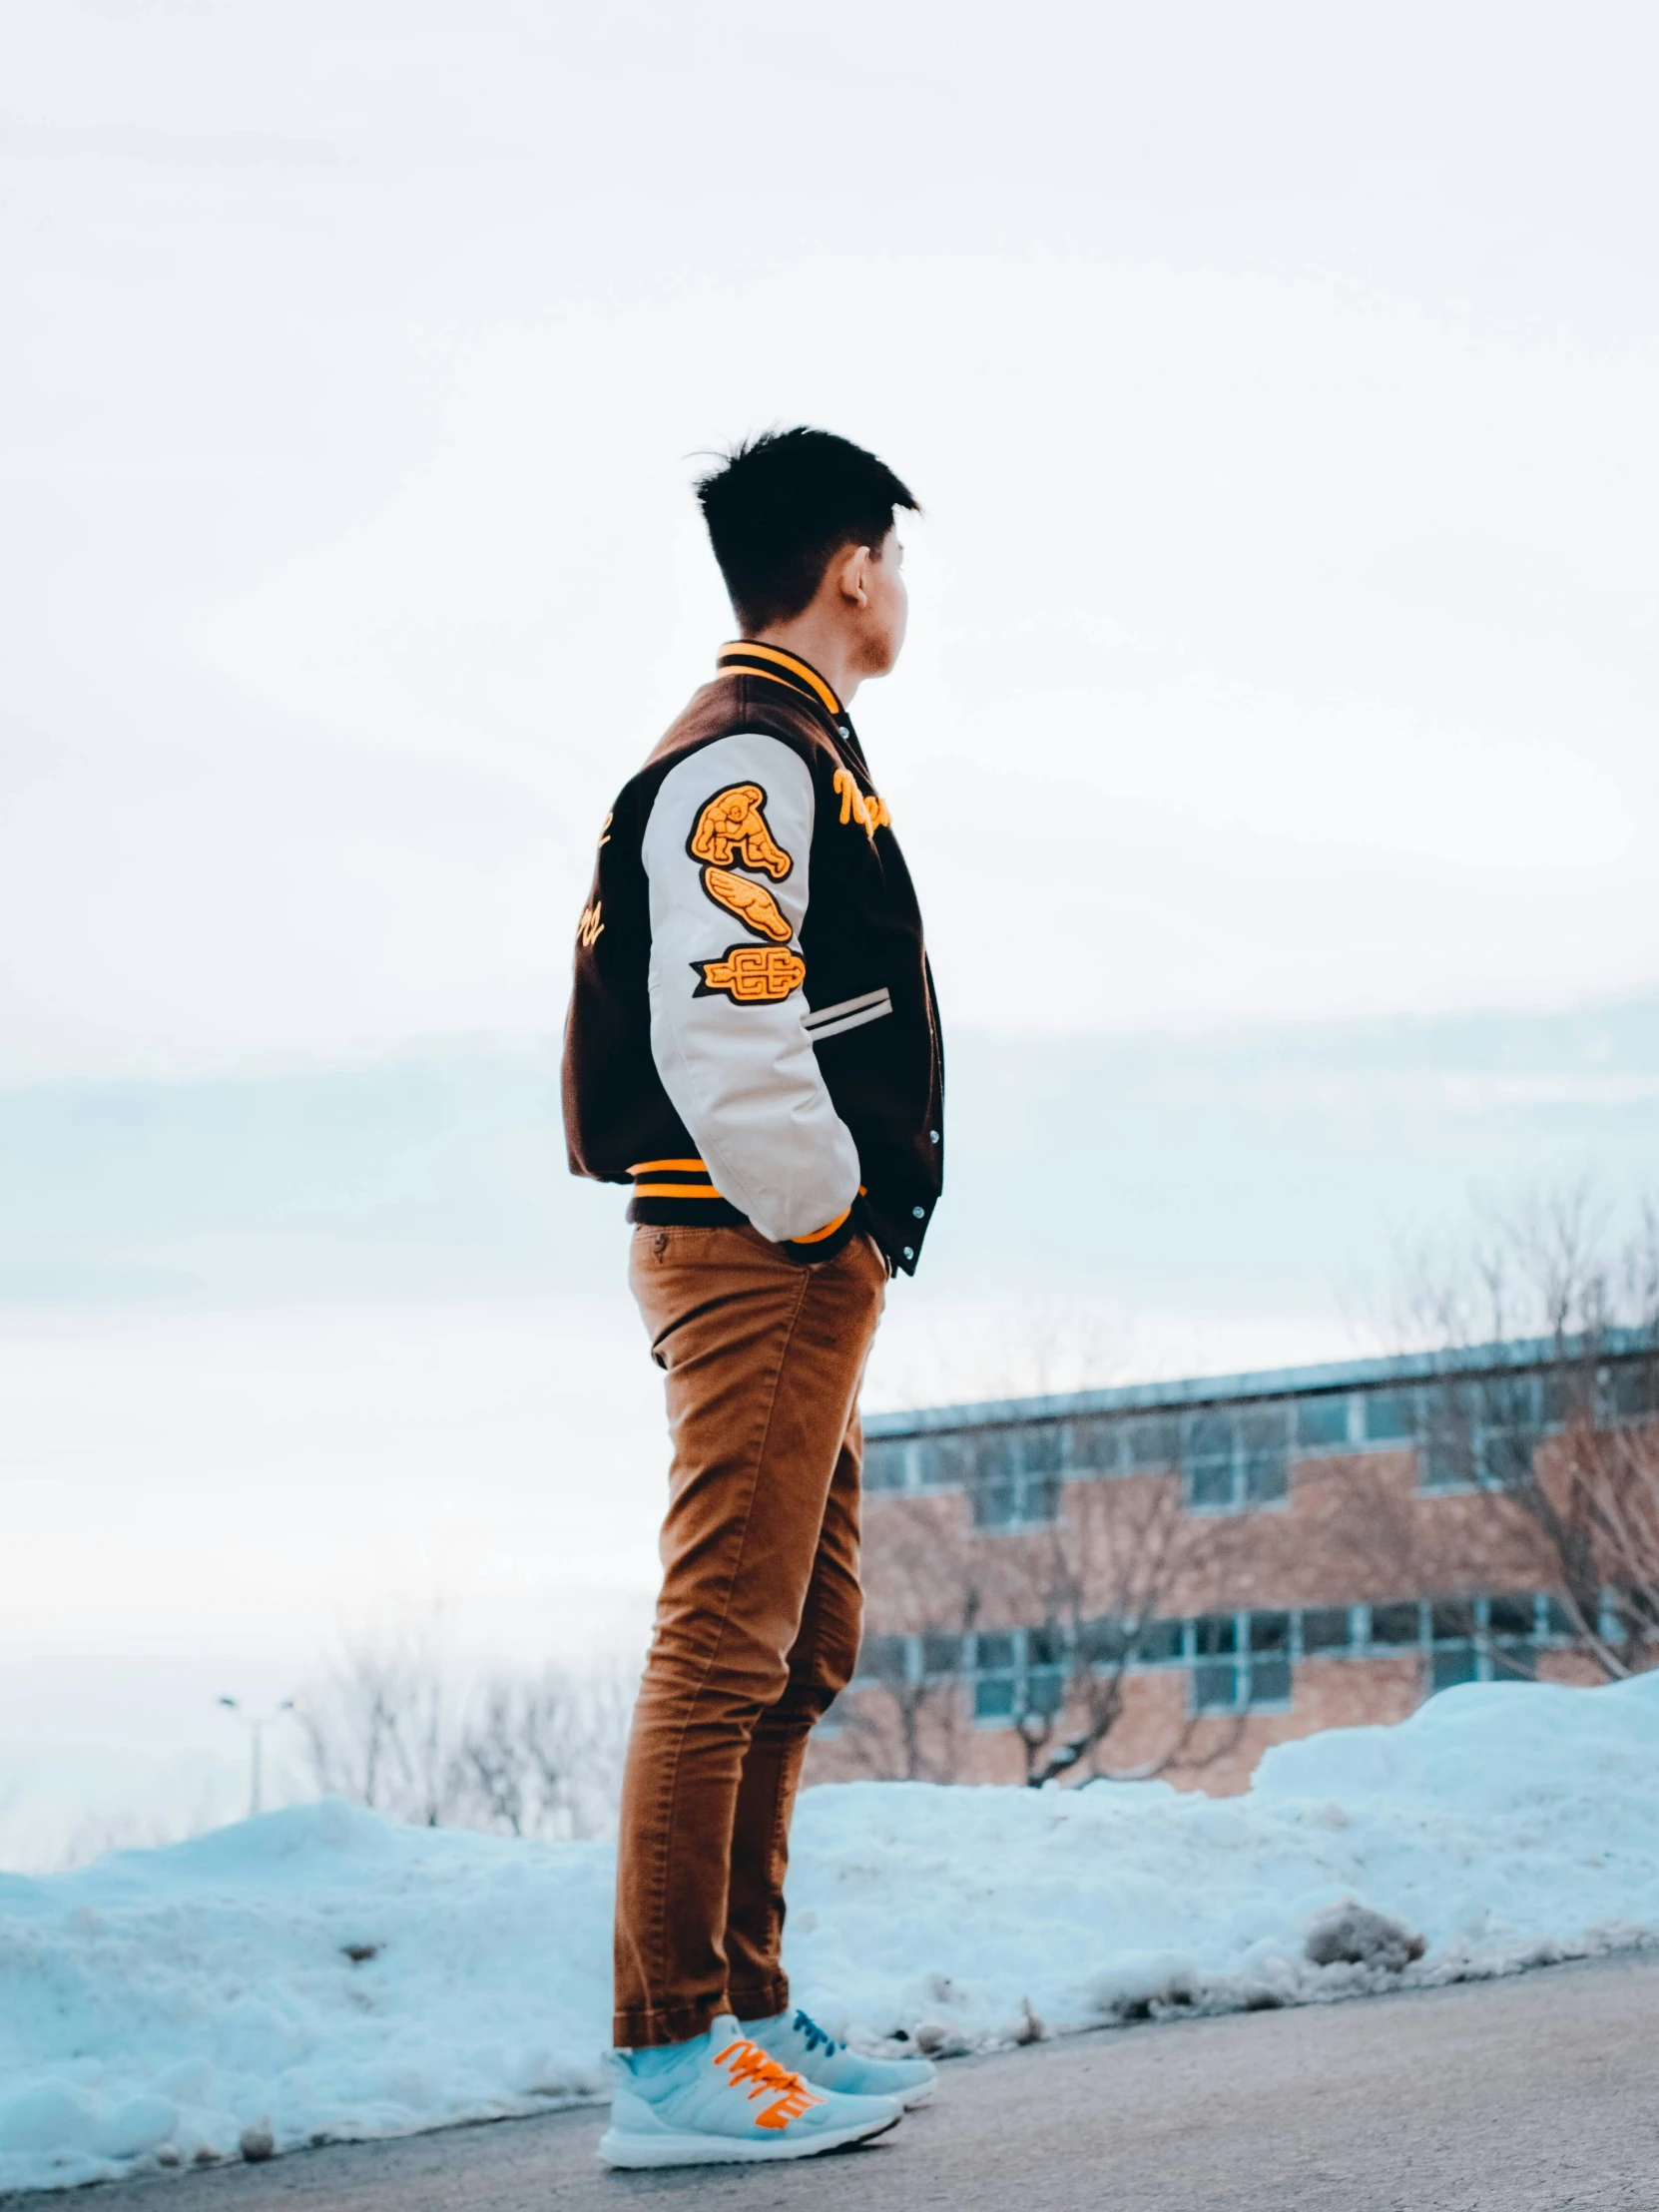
column 753, row 1034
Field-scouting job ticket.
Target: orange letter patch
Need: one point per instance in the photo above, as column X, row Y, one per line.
column 750, row 974
column 732, row 823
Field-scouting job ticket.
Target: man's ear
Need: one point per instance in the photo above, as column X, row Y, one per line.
column 851, row 580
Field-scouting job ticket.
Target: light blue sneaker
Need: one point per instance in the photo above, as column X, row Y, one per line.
column 730, row 2102
column 795, row 2040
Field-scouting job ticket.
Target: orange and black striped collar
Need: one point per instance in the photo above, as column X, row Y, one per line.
column 745, row 658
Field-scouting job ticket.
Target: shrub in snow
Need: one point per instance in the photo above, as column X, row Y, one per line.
column 323, row 1973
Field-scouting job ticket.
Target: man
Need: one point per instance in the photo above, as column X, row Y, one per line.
column 753, row 1044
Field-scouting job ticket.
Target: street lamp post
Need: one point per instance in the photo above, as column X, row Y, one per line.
column 255, row 1725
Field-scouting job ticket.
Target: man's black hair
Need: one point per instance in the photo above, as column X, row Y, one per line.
column 782, row 504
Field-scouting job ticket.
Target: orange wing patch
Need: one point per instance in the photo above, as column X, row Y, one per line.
column 753, row 903
column 731, row 824
column 750, row 974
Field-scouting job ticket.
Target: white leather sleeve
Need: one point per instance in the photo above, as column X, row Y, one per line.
column 742, row 1076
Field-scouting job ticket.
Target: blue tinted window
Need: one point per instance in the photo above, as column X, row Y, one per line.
column 1045, row 1689
column 1155, row 1441
column 1270, row 1681
column 994, row 1698
column 1160, row 1640
column 884, row 1657
column 1321, row 1421
column 943, row 1461
column 1391, row 1417
column 1216, row 1633
column 885, row 1462
column 1395, row 1624
column 1453, row 1666
column 1512, row 1616
column 1094, row 1444
column 1215, row 1686
column 1326, row 1628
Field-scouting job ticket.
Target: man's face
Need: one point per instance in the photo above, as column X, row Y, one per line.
column 883, row 620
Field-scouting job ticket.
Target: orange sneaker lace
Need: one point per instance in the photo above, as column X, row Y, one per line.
column 790, row 2093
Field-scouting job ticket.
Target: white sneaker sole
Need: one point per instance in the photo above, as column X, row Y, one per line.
column 669, row 2149
column 923, row 2095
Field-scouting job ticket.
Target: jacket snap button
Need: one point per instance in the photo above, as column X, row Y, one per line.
column 908, row 1254
column 933, row 1133
column 921, row 1212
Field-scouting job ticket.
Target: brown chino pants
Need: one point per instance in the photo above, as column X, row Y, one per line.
column 758, row 1624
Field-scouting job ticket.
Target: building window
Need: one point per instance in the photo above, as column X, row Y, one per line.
column 1397, row 1625
column 1452, row 1620
column 1155, row 1442
column 1019, row 1671
column 1241, row 1660
column 1016, row 1475
column 1391, row 1417
column 883, row 1658
column 994, row 1697
column 1452, row 1665
column 1320, row 1422
column 941, row 1652
column 946, row 1462
column 1094, row 1444
column 1326, row 1628
column 885, row 1462
column 1630, row 1387
column 1512, row 1616
column 1161, row 1642
column 1236, row 1460
column 1481, row 1433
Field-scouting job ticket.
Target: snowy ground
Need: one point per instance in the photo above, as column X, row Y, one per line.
column 319, row 1972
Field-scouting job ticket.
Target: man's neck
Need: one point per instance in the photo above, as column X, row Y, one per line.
column 823, row 644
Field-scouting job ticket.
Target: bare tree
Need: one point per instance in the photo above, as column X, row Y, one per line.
column 1104, row 1581
column 542, row 1755
column 1097, row 1591
column 381, row 1728
column 397, row 1726
column 1564, row 1445
column 905, row 1718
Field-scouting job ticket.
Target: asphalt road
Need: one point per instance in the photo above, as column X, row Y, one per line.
column 1529, row 2095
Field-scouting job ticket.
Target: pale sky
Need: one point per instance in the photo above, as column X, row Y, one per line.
column 1278, row 382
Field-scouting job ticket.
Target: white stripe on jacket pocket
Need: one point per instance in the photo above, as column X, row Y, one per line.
column 849, row 1013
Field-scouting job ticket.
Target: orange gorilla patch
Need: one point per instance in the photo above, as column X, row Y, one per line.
column 733, row 826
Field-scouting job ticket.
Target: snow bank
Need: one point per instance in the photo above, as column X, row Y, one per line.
column 321, row 1972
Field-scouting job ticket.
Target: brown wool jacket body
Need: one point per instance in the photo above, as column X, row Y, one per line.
column 753, row 1034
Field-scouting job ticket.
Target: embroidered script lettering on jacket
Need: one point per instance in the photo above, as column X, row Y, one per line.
column 589, row 928
column 869, row 813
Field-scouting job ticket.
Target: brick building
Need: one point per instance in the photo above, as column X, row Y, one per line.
column 1224, row 1562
